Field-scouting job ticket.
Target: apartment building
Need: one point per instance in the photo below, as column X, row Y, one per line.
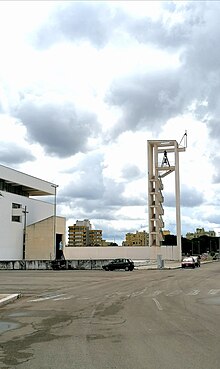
column 136, row 239
column 95, row 237
column 200, row 232
column 81, row 234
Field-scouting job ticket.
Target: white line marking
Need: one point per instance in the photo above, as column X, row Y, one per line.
column 158, row 304
column 193, row 293
column 46, row 298
column 84, row 298
column 213, row 292
column 155, row 293
column 64, row 298
column 138, row 293
column 174, row 293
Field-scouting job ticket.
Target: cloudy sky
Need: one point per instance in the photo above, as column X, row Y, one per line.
column 85, row 84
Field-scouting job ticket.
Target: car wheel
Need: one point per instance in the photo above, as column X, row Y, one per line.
column 107, row 268
column 193, row 266
column 183, row 266
column 127, row 268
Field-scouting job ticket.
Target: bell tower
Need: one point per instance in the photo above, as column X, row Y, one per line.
column 157, row 170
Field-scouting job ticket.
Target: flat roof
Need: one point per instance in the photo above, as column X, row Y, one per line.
column 32, row 185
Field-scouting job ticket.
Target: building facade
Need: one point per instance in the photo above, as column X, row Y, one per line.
column 136, row 239
column 19, row 208
column 81, row 234
column 200, row 232
column 95, row 237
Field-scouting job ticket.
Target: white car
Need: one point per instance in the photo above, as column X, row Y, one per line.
column 188, row 262
column 197, row 260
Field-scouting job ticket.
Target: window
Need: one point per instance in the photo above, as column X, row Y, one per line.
column 16, row 218
column 16, row 212
column 16, row 206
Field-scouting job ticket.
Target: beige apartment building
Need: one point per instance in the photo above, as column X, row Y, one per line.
column 95, row 237
column 81, row 234
column 136, row 239
column 200, row 232
column 166, row 232
column 78, row 236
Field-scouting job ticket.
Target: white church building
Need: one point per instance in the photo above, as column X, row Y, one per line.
column 21, row 213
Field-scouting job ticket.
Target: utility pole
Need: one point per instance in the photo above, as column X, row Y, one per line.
column 55, row 214
column 25, row 212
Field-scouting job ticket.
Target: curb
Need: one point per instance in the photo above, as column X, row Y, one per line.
column 9, row 298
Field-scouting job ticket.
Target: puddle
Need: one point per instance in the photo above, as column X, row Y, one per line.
column 7, row 326
column 211, row 300
column 21, row 313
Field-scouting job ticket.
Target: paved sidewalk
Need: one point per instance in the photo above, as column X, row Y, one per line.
column 168, row 264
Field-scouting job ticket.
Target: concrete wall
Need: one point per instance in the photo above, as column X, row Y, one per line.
column 40, row 238
column 134, row 253
column 49, row 264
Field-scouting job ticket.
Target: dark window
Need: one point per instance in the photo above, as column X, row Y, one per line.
column 16, row 206
column 16, row 218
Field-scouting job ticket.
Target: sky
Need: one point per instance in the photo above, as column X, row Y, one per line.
column 85, row 84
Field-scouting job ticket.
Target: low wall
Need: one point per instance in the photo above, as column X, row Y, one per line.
column 80, row 258
column 133, row 252
column 52, row 265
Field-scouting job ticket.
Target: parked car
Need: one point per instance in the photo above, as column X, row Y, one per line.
column 197, row 260
column 125, row 264
column 188, row 262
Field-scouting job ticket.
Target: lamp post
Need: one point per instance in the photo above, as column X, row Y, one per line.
column 25, row 212
column 55, row 214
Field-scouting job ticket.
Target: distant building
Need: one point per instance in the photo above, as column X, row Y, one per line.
column 136, row 239
column 166, row 232
column 95, row 237
column 200, row 232
column 81, row 234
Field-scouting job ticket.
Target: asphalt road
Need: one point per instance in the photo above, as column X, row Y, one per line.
column 145, row 319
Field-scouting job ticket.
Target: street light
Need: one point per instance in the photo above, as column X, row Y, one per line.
column 25, row 212
column 55, row 214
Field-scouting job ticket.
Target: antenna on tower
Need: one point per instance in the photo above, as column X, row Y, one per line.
column 183, row 141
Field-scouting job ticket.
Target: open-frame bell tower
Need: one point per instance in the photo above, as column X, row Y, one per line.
column 156, row 172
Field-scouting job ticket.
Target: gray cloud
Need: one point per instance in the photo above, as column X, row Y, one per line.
column 91, row 193
column 147, row 100
column 150, row 100
column 213, row 218
column 12, row 153
column 165, row 33
column 190, row 198
column 88, row 183
column 76, row 21
column 98, row 194
column 58, row 128
column 131, row 171
column 216, row 164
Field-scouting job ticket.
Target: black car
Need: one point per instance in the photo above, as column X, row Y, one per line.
column 125, row 264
